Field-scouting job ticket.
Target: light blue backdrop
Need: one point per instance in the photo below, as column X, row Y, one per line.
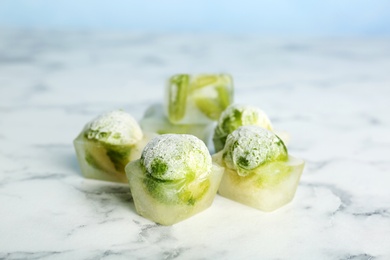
column 278, row 17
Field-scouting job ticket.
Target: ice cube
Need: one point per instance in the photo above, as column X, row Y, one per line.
column 107, row 144
column 197, row 99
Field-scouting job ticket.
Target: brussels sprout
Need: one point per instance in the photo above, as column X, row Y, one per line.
column 258, row 170
column 197, row 99
column 235, row 116
column 107, row 144
column 174, row 178
column 250, row 147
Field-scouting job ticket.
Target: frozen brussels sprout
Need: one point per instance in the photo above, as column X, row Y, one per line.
column 155, row 121
column 174, row 178
column 107, row 144
column 197, row 99
column 235, row 116
column 258, row 170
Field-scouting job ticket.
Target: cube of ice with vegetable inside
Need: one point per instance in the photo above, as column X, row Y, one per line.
column 197, row 99
column 237, row 115
column 155, row 121
column 174, row 179
column 107, row 144
column 258, row 170
column 233, row 117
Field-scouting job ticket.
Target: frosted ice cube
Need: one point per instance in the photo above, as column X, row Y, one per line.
column 174, row 179
column 107, row 144
column 259, row 172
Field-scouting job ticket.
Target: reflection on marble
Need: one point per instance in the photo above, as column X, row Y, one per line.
column 330, row 94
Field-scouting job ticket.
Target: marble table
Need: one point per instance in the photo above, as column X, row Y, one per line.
column 331, row 94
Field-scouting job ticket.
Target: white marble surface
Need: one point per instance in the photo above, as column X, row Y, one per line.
column 332, row 95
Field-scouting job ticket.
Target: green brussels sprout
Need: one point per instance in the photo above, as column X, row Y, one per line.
column 114, row 128
column 174, row 178
column 251, row 147
column 258, row 170
column 107, row 144
column 235, row 116
column 175, row 161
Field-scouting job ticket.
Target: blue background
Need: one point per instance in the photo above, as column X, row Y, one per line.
column 297, row 17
